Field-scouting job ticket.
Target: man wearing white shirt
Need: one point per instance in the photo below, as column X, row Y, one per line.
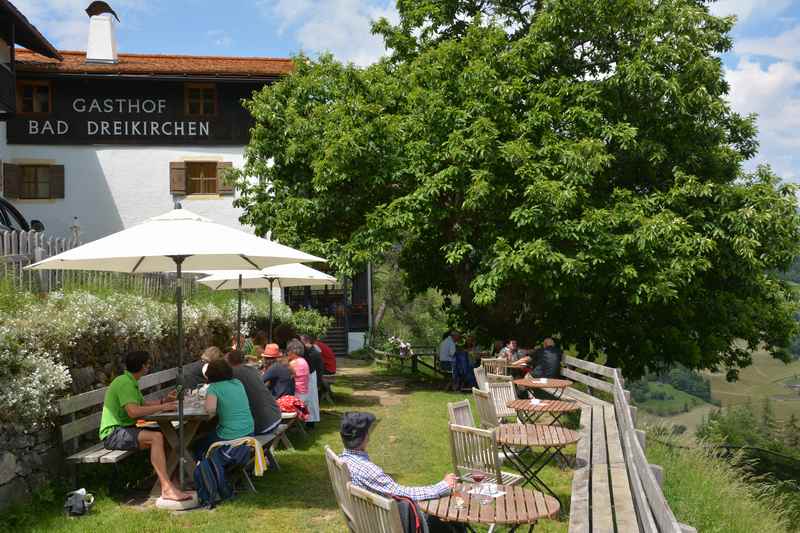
column 447, row 351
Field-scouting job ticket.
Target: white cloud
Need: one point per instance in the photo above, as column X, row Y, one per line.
column 784, row 46
column 749, row 9
column 771, row 92
column 341, row 27
column 220, row 38
column 65, row 23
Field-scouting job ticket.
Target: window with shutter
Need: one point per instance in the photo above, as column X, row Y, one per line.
column 34, row 97
column 177, row 177
column 12, row 180
column 223, row 170
column 201, row 177
column 56, row 175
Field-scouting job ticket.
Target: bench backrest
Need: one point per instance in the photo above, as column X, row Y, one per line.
column 340, row 477
column 486, row 411
column 460, row 413
column 374, row 513
column 474, row 448
column 71, row 406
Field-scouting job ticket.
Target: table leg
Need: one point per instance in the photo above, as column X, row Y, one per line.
column 530, row 471
column 171, row 437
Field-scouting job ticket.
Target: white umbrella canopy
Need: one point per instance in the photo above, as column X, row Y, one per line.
column 291, row 275
column 151, row 245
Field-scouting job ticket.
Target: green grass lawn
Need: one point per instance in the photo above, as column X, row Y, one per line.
column 410, row 442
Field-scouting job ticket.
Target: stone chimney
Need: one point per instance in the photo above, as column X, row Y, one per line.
column 102, row 47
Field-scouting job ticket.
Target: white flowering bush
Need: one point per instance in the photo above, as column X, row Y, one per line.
column 29, row 380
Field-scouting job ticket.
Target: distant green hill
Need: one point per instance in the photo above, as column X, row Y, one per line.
column 661, row 399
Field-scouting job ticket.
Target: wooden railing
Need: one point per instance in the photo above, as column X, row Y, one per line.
column 19, row 249
column 652, row 510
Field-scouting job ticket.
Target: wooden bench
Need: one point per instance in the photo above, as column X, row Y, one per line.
column 613, row 487
column 82, row 413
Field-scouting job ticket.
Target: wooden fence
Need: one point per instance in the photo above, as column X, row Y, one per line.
column 19, row 249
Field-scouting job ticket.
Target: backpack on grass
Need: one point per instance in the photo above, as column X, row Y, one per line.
column 209, row 474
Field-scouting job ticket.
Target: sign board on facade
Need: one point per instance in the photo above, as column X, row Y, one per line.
column 97, row 111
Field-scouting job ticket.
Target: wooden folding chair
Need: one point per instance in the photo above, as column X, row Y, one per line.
column 503, row 392
column 476, row 449
column 461, row 413
column 374, row 513
column 487, row 415
column 340, row 477
column 496, row 365
column 480, row 377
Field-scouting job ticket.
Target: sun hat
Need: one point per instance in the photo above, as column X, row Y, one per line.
column 271, row 351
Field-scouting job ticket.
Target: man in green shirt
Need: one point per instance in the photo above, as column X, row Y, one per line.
column 122, row 405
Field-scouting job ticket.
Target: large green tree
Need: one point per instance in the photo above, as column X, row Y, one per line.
column 565, row 166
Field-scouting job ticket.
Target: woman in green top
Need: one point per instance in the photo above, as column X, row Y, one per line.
column 227, row 399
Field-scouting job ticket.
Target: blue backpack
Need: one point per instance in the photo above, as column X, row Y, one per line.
column 209, row 474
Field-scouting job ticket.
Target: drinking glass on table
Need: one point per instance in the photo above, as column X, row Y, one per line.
column 478, row 476
column 460, row 496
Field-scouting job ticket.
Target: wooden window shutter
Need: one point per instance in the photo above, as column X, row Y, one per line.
column 12, row 180
column 177, row 177
column 55, row 173
column 223, row 170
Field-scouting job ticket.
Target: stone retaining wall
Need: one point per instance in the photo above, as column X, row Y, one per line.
column 28, row 458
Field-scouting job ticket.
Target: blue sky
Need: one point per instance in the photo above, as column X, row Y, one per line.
column 763, row 69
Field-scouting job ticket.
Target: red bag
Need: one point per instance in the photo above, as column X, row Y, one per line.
column 293, row 404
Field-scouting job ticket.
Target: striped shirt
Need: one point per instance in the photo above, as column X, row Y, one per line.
column 370, row 476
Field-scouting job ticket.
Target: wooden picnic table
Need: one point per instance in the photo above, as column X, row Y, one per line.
column 517, row 507
column 516, row 440
column 548, row 384
column 529, row 411
column 194, row 414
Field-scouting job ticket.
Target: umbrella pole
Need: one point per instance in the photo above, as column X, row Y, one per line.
column 239, row 343
column 179, row 299
column 271, row 298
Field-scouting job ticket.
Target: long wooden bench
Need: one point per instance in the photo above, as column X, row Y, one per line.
column 614, row 488
column 81, row 415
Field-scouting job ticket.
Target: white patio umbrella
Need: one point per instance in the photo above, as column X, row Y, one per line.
column 176, row 241
column 291, row 275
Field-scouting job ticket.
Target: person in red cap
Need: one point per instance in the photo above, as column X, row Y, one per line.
column 277, row 375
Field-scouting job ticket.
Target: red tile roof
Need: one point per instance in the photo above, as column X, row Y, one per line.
column 155, row 64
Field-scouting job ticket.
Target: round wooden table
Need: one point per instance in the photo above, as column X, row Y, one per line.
column 529, row 411
column 517, row 507
column 556, row 385
column 517, row 439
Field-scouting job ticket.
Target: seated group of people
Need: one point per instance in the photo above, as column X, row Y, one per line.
column 241, row 395
column 545, row 360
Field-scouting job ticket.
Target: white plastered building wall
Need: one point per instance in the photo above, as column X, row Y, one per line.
column 110, row 187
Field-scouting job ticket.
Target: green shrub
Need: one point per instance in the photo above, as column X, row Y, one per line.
column 310, row 322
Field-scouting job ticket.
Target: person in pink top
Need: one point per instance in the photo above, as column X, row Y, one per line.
column 305, row 381
column 299, row 366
